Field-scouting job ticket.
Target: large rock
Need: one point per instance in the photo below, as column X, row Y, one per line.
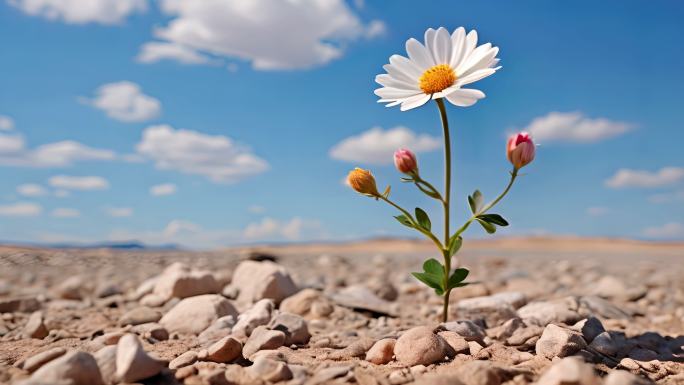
column 219, row 329
column 589, row 327
column 621, row 377
column 556, row 341
column 73, row 368
column 270, row 370
column 258, row 280
column 556, row 311
column 493, row 309
column 33, row 363
column 133, row 363
column 294, row 327
column 263, row 338
column 466, row 329
column 307, row 303
column 381, row 352
column 457, row 344
column 569, row 371
column 35, row 328
column 259, row 314
column 420, row 346
column 363, row 298
column 611, row 287
column 139, row 315
column 179, row 281
column 193, row 315
column 604, row 343
column 106, row 361
column 226, row 349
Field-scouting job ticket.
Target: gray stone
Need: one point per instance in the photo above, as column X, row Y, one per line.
column 294, row 327
column 544, row 313
column 219, row 329
column 604, row 344
column 33, row 363
column 592, row 305
column 263, row 338
column 193, row 315
column 270, row 370
column 466, row 329
column 569, row 371
column 73, row 368
column 257, row 315
column 179, row 281
column 361, row 297
column 611, row 287
column 260, row 280
column 457, row 344
column 492, row 309
column 139, row 315
column 35, row 328
column 556, row 341
column 226, row 349
column 420, row 345
column 186, row 359
column 133, row 363
column 381, row 352
column 589, row 327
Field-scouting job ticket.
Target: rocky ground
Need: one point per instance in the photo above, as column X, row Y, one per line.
column 549, row 312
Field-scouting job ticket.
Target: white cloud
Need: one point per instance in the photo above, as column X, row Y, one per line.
column 377, row 146
column 156, row 51
column 271, row 34
column 177, row 227
column 597, row 211
column 216, row 157
column 272, row 229
column 641, row 178
column 163, row 189
column 31, row 190
column 125, row 101
column 13, row 152
column 65, row 212
column 21, row 209
column 81, row 11
column 119, row 212
column 669, row 197
column 672, row 230
column 6, row 123
column 68, row 182
column 60, row 193
column 574, row 127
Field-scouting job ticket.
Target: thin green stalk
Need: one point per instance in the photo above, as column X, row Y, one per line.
column 445, row 204
column 413, row 221
column 432, row 189
column 514, row 175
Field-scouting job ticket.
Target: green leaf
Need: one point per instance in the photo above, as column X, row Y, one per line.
column 423, row 219
column 495, row 219
column 489, row 228
column 431, row 280
column 457, row 277
column 461, row 284
column 475, row 201
column 455, row 243
column 432, row 266
column 406, row 180
column 403, row 219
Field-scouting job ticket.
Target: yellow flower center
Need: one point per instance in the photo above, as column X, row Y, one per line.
column 437, row 78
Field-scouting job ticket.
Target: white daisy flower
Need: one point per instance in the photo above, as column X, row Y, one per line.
column 437, row 69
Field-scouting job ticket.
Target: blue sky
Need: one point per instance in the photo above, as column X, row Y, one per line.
column 234, row 107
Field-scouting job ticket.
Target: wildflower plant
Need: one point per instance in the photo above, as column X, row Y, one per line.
column 438, row 70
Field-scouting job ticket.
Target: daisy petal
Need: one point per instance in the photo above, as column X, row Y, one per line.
column 478, row 61
column 419, row 54
column 475, row 76
column 406, row 66
column 389, row 81
column 464, row 97
column 457, row 46
column 471, row 42
column 430, row 42
column 473, row 58
column 442, row 46
column 398, row 74
column 414, row 101
column 394, row 93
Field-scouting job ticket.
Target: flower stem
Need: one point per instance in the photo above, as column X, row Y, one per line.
column 514, row 175
column 413, row 221
column 445, row 204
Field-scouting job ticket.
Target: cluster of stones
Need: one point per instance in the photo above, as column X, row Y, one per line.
column 256, row 326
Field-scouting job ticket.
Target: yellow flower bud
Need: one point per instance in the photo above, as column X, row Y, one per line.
column 363, row 181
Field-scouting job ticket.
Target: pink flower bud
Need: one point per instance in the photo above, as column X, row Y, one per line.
column 405, row 161
column 520, row 149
